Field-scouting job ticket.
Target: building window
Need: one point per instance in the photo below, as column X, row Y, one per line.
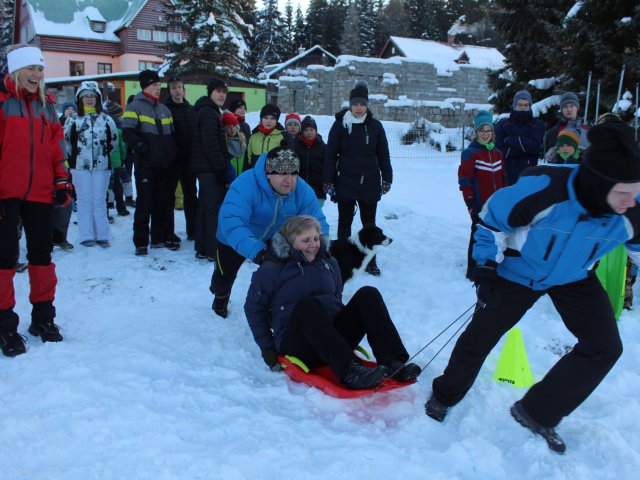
column 175, row 37
column 98, row 26
column 76, row 68
column 105, row 68
column 144, row 34
column 144, row 65
column 159, row 36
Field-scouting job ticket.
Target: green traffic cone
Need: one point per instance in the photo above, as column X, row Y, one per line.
column 513, row 365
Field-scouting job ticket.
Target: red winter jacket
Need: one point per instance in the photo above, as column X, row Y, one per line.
column 30, row 152
column 480, row 174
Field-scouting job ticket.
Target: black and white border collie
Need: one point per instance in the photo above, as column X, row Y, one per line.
column 354, row 254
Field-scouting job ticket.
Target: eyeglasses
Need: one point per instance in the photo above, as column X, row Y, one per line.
column 482, row 132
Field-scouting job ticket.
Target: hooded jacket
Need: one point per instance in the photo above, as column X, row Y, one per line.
column 184, row 122
column 252, row 212
column 284, row 278
column 311, row 163
column 260, row 143
column 480, row 174
column 92, row 138
column 357, row 162
column 31, row 139
column 519, row 137
column 539, row 234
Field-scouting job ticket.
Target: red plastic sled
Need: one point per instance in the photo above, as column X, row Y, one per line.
column 323, row 379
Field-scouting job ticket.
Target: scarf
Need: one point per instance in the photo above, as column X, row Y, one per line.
column 148, row 95
column 234, row 148
column 488, row 145
column 265, row 131
column 348, row 120
column 89, row 110
column 308, row 143
column 240, row 118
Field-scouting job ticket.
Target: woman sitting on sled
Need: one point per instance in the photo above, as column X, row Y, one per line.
column 294, row 307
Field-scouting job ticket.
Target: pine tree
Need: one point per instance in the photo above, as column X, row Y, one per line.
column 393, row 21
column 316, row 14
column 601, row 37
column 211, row 37
column 6, row 30
column 367, row 27
column 334, row 19
column 350, row 44
column 269, row 42
column 427, row 19
column 300, row 32
column 288, row 30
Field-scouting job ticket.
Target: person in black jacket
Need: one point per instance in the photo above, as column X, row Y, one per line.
column 239, row 108
column 209, row 161
column 147, row 127
column 357, row 165
column 184, row 119
column 310, row 147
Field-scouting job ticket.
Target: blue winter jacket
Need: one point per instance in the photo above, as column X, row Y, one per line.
column 540, row 236
column 519, row 138
column 282, row 281
column 252, row 212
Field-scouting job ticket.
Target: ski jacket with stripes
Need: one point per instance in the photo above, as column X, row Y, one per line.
column 31, row 152
column 480, row 174
column 540, row 236
column 252, row 212
column 147, row 127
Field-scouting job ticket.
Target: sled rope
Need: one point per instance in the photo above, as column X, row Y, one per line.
column 473, row 307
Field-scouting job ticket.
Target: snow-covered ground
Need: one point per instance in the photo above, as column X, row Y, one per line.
column 150, row 384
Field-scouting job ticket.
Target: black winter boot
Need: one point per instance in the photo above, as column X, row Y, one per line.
column 42, row 324
column 361, row 377
column 11, row 341
column 401, row 372
column 372, row 268
column 554, row 442
column 435, row 409
column 220, row 305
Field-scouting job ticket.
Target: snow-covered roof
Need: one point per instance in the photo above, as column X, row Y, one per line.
column 272, row 69
column 71, row 18
column 444, row 56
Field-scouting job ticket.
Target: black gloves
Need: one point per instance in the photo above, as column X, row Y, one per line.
column 62, row 192
column 259, row 258
column 270, row 357
column 141, row 148
column 221, row 176
column 486, row 281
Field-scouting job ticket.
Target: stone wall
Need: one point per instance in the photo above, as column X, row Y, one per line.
column 400, row 89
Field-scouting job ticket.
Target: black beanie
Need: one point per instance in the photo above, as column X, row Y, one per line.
column 613, row 153
column 236, row 103
column 359, row 94
column 307, row 122
column 214, row 84
column 613, row 157
column 270, row 109
column 147, row 77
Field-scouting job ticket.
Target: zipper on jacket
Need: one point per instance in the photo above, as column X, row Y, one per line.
column 549, row 247
column 31, row 147
column 593, row 254
column 44, row 124
column 275, row 216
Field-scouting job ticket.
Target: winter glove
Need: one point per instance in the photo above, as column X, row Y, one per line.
column 259, row 258
column 386, row 186
column 485, row 279
column 221, row 177
column 471, row 207
column 141, row 148
column 330, row 190
column 62, row 193
column 270, row 357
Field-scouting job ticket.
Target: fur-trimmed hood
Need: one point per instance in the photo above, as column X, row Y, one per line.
column 282, row 251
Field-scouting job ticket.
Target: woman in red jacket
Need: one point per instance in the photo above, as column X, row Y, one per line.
column 32, row 178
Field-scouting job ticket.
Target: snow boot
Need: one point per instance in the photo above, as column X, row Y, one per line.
column 553, row 440
column 42, row 324
column 372, row 268
column 11, row 341
column 435, row 409
column 221, row 305
column 361, row 377
column 401, row 372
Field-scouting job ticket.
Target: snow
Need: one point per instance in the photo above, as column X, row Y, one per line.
column 544, row 105
column 544, row 83
column 444, row 56
column 573, row 11
column 149, row 384
column 78, row 28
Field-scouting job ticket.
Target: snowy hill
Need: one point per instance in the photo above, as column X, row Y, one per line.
column 150, row 384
